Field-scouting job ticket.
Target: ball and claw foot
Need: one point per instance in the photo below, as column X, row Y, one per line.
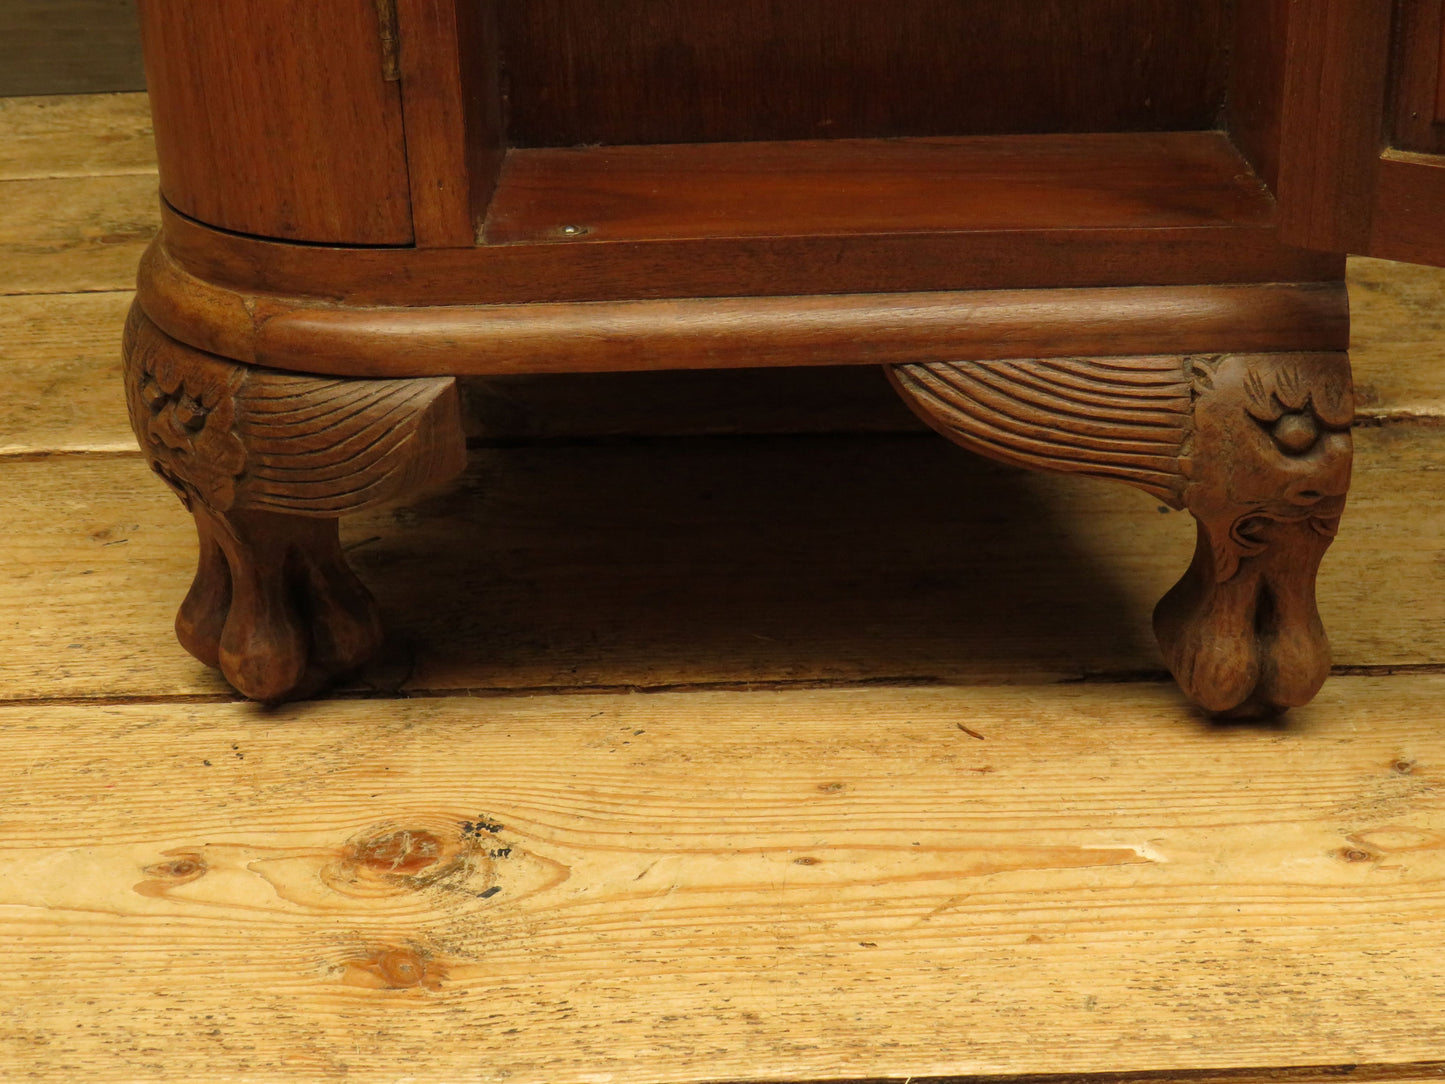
column 267, row 462
column 274, row 605
column 1266, row 481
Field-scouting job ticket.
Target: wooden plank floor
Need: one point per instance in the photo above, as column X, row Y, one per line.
column 816, row 751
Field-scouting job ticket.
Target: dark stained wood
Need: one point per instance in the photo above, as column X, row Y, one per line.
column 451, row 92
column 275, row 119
column 1407, row 221
column 482, row 87
column 1440, row 78
column 434, row 111
column 712, row 333
column 747, row 267
column 69, row 47
column 1332, row 127
column 1417, row 108
column 668, row 71
column 1257, row 448
column 1256, row 83
column 851, row 187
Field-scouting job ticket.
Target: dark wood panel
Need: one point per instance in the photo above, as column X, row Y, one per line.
column 275, row 119
column 451, row 91
column 1418, row 94
column 69, row 47
column 749, row 266
column 1253, row 114
column 848, row 186
column 1409, row 214
column 1332, row 129
column 668, row 71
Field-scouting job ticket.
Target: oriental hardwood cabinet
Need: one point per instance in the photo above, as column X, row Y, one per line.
column 1097, row 236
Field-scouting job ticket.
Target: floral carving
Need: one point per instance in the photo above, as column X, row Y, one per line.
column 183, row 411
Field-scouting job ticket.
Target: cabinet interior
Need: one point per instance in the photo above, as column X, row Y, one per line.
column 647, row 119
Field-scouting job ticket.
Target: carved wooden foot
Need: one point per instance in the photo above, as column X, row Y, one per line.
column 267, row 462
column 1257, row 447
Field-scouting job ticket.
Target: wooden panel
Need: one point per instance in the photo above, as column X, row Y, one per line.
column 634, row 564
column 1418, row 94
column 1254, row 111
column 69, row 47
column 821, row 188
column 75, row 233
column 1440, row 78
column 669, row 71
column 742, row 267
column 451, row 93
column 1332, row 129
column 80, row 135
column 274, row 119
column 804, row 886
column 1408, row 219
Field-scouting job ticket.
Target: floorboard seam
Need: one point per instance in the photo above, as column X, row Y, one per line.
column 1143, row 677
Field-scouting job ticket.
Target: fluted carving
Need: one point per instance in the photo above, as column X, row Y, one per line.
column 1257, row 447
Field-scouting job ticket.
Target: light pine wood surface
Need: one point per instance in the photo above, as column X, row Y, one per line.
column 819, row 751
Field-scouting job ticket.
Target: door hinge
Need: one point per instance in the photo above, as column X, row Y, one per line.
column 390, row 40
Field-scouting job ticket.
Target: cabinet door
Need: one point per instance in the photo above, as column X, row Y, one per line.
column 278, row 118
column 1408, row 211
column 1362, row 141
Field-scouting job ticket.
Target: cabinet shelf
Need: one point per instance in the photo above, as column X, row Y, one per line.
column 820, row 188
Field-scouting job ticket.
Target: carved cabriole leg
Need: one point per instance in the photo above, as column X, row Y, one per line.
column 267, row 462
column 1256, row 446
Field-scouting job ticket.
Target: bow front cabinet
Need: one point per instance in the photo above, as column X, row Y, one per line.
column 1098, row 236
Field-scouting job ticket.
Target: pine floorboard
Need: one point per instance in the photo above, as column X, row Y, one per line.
column 820, row 751
column 798, row 885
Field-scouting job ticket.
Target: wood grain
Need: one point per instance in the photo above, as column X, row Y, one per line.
column 1254, row 108
column 275, row 119
column 734, row 332
column 748, row 266
column 83, row 135
column 644, row 565
column 669, row 71
column 75, row 233
column 800, row 886
column 60, row 368
column 1416, row 111
column 1405, row 224
column 1333, row 122
column 69, row 47
column 848, row 186
column 451, row 100
column 1397, row 340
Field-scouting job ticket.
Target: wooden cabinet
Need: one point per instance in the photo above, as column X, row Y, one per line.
column 1101, row 236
